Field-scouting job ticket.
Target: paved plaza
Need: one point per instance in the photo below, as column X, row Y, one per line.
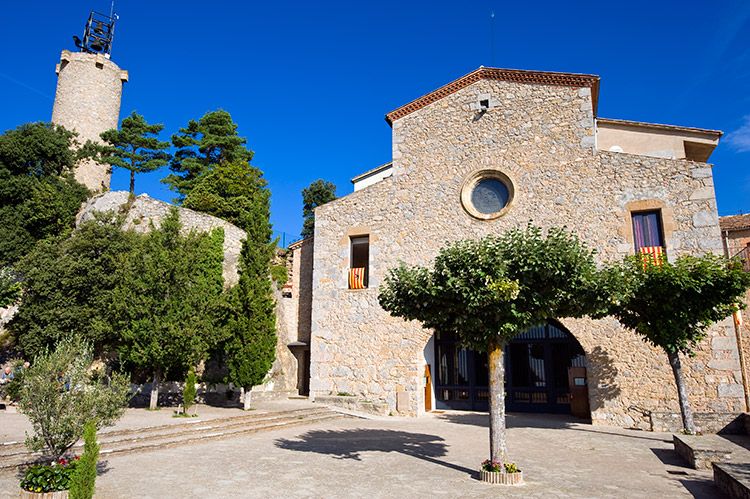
column 436, row 455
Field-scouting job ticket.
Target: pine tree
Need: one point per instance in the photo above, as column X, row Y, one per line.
column 201, row 146
column 134, row 147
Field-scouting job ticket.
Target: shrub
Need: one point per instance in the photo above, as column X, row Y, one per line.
column 188, row 393
column 83, row 480
column 61, row 392
column 49, row 477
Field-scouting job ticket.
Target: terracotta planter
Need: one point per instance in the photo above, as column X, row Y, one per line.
column 501, row 478
column 61, row 494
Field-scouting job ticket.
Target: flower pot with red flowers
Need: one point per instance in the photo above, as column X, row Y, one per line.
column 500, row 473
column 48, row 481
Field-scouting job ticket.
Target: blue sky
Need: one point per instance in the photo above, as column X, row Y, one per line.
column 309, row 82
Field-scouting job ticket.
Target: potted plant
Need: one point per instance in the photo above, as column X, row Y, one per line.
column 502, row 473
column 48, row 481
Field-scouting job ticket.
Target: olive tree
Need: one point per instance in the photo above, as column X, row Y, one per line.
column 490, row 290
column 61, row 392
column 672, row 305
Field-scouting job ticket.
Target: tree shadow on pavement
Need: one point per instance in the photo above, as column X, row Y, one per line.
column 546, row 421
column 350, row 444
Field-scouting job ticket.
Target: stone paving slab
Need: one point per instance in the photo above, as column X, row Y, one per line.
column 436, row 455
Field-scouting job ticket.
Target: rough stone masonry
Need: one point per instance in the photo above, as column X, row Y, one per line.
column 543, row 138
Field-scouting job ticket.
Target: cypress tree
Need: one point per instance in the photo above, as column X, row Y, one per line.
column 83, row 481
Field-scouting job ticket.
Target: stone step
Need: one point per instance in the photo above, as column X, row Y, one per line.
column 126, row 447
column 701, row 451
column 212, row 427
column 733, row 479
column 225, row 428
column 10, row 448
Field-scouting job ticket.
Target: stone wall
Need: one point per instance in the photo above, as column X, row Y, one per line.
column 542, row 138
column 87, row 100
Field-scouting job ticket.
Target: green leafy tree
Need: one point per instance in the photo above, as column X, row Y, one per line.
column 68, row 284
column 61, row 392
column 83, row 481
column 39, row 197
column 202, row 145
column 166, row 301
column 10, row 287
column 189, row 392
column 490, row 290
column 316, row 194
column 672, row 305
column 134, row 147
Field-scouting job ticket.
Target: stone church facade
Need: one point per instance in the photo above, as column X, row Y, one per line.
column 493, row 150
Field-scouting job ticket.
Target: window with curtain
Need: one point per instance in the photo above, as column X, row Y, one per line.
column 359, row 265
column 647, row 230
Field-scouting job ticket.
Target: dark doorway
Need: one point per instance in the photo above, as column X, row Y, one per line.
column 536, row 371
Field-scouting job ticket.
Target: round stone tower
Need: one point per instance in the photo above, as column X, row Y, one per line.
column 87, row 100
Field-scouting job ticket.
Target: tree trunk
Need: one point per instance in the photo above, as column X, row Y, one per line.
column 498, row 449
column 132, row 182
column 685, row 410
column 246, row 398
column 155, row 391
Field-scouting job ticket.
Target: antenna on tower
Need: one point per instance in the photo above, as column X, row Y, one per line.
column 98, row 33
column 492, row 38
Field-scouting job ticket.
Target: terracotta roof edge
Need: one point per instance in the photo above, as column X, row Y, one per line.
column 517, row 75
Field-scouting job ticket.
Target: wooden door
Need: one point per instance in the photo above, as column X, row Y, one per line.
column 427, row 388
column 579, row 392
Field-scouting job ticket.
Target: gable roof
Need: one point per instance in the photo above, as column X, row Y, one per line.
column 734, row 222
column 513, row 75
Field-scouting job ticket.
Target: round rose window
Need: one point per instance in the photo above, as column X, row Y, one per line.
column 487, row 194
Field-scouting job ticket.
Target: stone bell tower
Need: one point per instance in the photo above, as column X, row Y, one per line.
column 89, row 89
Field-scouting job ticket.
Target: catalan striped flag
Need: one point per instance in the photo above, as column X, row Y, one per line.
column 357, row 278
column 653, row 254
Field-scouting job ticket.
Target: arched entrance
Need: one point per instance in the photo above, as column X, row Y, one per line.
column 537, row 367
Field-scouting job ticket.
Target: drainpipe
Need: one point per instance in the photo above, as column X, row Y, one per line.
column 738, row 338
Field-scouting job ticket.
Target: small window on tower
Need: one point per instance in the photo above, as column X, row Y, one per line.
column 359, row 268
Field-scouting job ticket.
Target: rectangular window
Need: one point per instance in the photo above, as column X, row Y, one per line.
column 647, row 230
column 359, row 268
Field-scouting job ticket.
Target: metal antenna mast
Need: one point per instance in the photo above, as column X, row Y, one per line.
column 492, row 38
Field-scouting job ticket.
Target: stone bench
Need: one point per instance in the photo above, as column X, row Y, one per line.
column 700, row 451
column 733, row 479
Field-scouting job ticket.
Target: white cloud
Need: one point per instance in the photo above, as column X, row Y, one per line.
column 740, row 139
